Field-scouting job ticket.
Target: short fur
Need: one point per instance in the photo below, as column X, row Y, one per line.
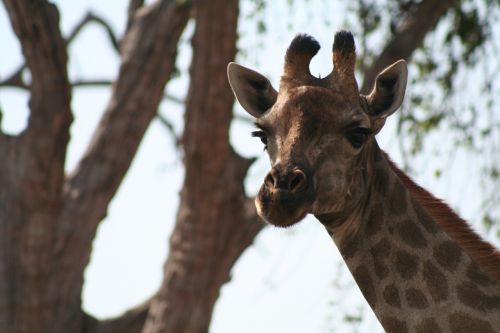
column 298, row 56
column 486, row 255
column 344, row 61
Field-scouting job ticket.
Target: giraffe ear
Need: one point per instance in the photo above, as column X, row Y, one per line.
column 388, row 93
column 252, row 90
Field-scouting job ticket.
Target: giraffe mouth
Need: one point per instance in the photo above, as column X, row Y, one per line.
column 283, row 208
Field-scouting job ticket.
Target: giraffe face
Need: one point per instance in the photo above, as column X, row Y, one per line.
column 314, row 138
column 315, row 130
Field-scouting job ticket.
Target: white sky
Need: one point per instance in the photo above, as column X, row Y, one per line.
column 289, row 280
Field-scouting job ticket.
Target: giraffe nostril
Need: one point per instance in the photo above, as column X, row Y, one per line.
column 297, row 181
column 291, row 181
column 270, row 180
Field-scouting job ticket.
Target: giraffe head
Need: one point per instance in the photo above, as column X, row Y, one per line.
column 317, row 132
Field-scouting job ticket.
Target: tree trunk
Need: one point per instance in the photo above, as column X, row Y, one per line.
column 215, row 221
column 148, row 54
column 32, row 173
column 47, row 220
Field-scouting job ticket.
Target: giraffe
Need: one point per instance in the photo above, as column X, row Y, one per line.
column 418, row 265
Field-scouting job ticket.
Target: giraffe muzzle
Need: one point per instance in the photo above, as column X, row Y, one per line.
column 286, row 196
column 293, row 181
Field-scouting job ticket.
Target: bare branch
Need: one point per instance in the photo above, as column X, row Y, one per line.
column 15, row 82
column 1, row 119
column 170, row 129
column 104, row 82
column 408, row 36
column 131, row 321
column 133, row 6
column 87, row 83
column 93, row 18
column 15, row 79
column 215, row 220
column 174, row 99
column 38, row 157
column 148, row 58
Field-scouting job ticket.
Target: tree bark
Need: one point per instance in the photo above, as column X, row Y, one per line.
column 32, row 172
column 131, row 321
column 48, row 221
column 148, row 58
column 215, row 221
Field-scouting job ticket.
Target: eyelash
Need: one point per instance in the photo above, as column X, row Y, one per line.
column 262, row 136
column 357, row 136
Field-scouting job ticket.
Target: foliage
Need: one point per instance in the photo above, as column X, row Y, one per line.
column 454, row 89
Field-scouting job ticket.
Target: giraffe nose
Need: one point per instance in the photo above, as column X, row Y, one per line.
column 293, row 180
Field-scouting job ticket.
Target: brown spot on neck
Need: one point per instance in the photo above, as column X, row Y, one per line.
column 397, row 199
column 375, row 220
column 448, row 255
column 464, row 323
column 428, row 325
column 349, row 247
column 474, row 274
column 435, row 281
column 380, row 254
column 391, row 296
column 470, row 295
column 406, row 264
column 416, row 299
column 394, row 325
column 365, row 283
column 485, row 254
column 410, row 234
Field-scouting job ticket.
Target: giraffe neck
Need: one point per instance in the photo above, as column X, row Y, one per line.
column 413, row 274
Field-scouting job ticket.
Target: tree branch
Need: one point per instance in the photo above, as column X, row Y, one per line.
column 93, row 18
column 36, row 25
column 33, row 170
column 1, row 120
column 408, row 36
column 170, row 129
column 148, row 58
column 16, row 79
column 133, row 6
column 14, row 83
column 215, row 221
column 131, row 321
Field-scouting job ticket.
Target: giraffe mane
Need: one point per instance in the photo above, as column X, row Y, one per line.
column 484, row 253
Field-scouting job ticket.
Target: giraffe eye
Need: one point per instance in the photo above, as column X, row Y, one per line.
column 357, row 136
column 262, row 136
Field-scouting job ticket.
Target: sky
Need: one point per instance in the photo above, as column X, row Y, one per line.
column 290, row 280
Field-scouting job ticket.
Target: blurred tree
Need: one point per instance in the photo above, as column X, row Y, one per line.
column 48, row 219
column 455, row 83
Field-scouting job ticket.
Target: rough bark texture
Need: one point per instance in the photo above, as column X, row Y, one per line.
column 32, row 173
column 215, row 221
column 47, row 221
column 148, row 57
column 408, row 37
column 131, row 321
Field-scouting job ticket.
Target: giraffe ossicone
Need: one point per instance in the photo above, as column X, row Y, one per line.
column 419, row 266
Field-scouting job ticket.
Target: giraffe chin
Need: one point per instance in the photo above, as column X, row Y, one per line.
column 280, row 208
